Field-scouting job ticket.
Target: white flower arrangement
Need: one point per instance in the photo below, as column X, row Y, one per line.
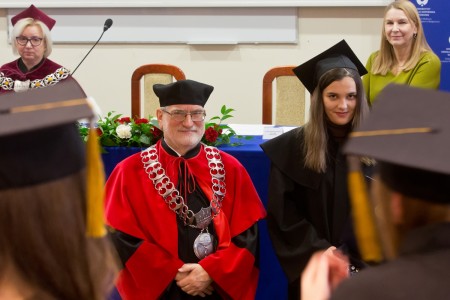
column 123, row 131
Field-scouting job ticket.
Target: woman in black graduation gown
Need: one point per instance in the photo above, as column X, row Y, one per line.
column 308, row 204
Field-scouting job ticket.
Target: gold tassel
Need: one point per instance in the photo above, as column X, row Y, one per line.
column 95, row 226
column 363, row 219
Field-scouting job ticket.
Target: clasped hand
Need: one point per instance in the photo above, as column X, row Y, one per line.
column 194, row 280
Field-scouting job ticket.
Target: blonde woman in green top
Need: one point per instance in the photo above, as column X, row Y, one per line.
column 404, row 56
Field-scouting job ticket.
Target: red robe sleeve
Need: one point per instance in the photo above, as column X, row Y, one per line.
column 151, row 267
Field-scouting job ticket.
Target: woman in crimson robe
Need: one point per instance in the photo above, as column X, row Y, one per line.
column 31, row 39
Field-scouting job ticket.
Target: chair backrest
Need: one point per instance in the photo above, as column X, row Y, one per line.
column 290, row 97
column 151, row 74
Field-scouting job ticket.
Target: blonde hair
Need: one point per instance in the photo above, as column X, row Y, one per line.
column 20, row 27
column 316, row 136
column 385, row 59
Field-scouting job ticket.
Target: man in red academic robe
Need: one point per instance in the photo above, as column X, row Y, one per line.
column 183, row 215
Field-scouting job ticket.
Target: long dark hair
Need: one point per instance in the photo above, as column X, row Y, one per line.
column 315, row 146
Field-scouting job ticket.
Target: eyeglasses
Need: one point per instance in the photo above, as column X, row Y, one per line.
column 23, row 41
column 180, row 115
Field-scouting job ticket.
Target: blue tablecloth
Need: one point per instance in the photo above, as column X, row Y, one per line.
column 272, row 281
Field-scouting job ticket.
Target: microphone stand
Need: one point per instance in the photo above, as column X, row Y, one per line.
column 105, row 27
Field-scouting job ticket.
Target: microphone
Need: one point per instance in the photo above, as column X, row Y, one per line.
column 108, row 23
column 106, row 26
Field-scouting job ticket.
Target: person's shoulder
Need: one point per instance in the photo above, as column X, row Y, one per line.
column 430, row 56
column 8, row 65
column 286, row 151
column 370, row 283
column 373, row 55
column 52, row 63
column 274, row 145
column 393, row 279
column 369, row 62
column 285, row 147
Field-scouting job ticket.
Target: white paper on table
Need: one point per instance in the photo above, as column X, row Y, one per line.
column 260, row 129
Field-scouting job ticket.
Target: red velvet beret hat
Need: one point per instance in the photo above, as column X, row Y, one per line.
column 34, row 13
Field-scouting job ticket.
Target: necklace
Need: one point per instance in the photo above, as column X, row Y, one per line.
column 204, row 243
column 8, row 83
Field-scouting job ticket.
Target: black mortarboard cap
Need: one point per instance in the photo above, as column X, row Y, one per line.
column 408, row 133
column 338, row 56
column 183, row 92
column 38, row 134
column 40, row 143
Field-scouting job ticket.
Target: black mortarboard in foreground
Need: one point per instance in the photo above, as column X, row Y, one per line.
column 408, row 133
column 38, row 135
column 338, row 56
column 40, row 143
column 183, row 92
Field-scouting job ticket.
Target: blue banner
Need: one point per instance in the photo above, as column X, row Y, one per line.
column 435, row 16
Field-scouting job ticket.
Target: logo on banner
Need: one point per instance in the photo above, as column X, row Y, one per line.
column 422, row 2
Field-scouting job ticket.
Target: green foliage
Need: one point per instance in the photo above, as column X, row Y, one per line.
column 217, row 134
column 114, row 131
column 117, row 131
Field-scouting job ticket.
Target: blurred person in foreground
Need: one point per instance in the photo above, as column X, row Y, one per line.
column 31, row 40
column 404, row 56
column 308, row 205
column 411, row 202
column 184, row 215
column 53, row 241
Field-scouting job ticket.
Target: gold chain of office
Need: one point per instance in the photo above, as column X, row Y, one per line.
column 172, row 196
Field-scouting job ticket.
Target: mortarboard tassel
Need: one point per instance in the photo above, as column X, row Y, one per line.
column 363, row 219
column 95, row 226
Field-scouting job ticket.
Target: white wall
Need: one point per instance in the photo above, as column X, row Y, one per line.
column 236, row 71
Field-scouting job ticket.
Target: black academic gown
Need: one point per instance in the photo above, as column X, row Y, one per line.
column 421, row 271
column 307, row 211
